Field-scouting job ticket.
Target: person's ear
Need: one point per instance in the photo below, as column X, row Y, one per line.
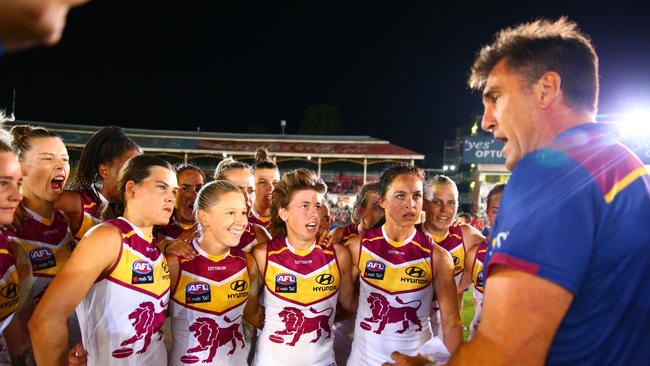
column 548, row 88
column 284, row 215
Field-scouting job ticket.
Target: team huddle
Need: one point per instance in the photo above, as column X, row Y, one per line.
column 245, row 265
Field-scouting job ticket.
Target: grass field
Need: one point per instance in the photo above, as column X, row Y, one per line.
column 467, row 312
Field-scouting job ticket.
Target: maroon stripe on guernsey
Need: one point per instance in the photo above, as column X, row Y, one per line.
column 350, row 230
column 611, row 162
column 138, row 244
column 35, row 230
column 301, row 264
column 395, row 255
column 247, row 237
column 173, row 230
column 454, row 238
column 89, row 197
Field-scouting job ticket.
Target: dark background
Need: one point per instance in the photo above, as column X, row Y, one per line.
column 392, row 70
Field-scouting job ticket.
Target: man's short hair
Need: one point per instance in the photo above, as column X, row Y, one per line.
column 532, row 49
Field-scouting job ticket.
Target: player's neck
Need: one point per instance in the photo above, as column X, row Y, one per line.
column 261, row 211
column 182, row 221
column 396, row 232
column 298, row 243
column 212, row 246
column 135, row 219
column 437, row 234
column 44, row 208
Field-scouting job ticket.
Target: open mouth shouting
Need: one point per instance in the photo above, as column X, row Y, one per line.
column 57, row 183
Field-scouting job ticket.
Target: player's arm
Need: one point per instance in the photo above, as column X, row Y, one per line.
column 471, row 236
column 354, row 247
column 466, row 278
column 181, row 246
column 445, row 289
column 259, row 254
column 335, row 235
column 347, row 296
column 261, row 234
column 174, row 270
column 521, row 314
column 253, row 312
column 70, row 206
column 94, row 254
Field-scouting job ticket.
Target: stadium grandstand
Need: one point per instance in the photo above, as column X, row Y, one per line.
column 343, row 162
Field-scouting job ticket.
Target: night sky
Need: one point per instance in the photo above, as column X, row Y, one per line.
column 395, row 70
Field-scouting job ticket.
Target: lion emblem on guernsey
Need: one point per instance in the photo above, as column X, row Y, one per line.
column 383, row 313
column 297, row 324
column 147, row 323
column 210, row 336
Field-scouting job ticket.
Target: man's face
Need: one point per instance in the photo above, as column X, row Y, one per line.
column 509, row 113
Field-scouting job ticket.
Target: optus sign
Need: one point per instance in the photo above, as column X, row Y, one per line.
column 482, row 150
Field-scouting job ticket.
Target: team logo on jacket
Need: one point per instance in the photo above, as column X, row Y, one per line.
column 42, row 258
column 197, row 292
column 374, row 270
column 286, row 282
column 142, row 272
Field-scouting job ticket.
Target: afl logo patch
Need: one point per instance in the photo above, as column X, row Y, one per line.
column 286, row 283
column 325, row 279
column 239, row 285
column 142, row 272
column 480, row 279
column 197, row 292
column 375, row 270
column 42, row 258
column 416, row 272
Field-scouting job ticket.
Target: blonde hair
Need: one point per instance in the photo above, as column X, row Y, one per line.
column 228, row 164
column 210, row 193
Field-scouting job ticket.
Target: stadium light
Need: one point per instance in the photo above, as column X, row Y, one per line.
column 308, row 157
column 224, row 155
column 635, row 122
column 445, row 167
column 452, row 168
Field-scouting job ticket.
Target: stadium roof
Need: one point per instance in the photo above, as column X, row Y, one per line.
column 357, row 149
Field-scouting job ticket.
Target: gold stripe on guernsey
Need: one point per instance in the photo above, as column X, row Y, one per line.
column 398, row 244
column 222, row 296
column 146, row 237
column 90, row 205
column 278, row 251
column 4, row 251
column 123, row 272
column 310, row 288
column 394, row 278
column 626, row 181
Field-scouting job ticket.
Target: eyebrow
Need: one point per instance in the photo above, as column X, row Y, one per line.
column 165, row 184
column 489, row 91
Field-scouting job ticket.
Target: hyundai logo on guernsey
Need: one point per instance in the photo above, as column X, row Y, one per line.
column 239, row 285
column 286, row 282
column 197, row 292
column 375, row 270
column 42, row 258
column 416, row 272
column 142, row 272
